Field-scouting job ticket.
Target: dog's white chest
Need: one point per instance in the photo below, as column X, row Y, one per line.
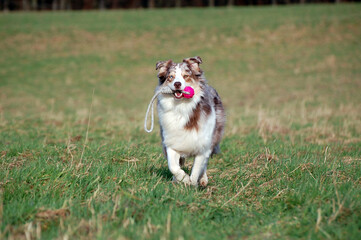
column 186, row 141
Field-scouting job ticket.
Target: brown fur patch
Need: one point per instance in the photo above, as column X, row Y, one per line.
column 193, row 120
column 215, row 100
column 163, row 67
column 193, row 65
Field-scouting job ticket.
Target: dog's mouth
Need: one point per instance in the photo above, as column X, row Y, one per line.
column 178, row 94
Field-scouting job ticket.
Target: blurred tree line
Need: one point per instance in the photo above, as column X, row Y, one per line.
column 37, row 5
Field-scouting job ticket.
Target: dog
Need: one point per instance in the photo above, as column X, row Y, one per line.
column 189, row 127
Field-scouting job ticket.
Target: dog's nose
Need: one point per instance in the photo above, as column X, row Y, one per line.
column 177, row 85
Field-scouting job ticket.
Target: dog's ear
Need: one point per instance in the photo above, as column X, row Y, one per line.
column 193, row 64
column 163, row 67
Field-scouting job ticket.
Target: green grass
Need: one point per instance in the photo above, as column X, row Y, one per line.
column 290, row 78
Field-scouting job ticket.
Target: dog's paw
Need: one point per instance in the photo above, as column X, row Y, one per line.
column 203, row 182
column 193, row 181
column 186, row 180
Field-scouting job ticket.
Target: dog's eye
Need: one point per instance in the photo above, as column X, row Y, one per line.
column 185, row 76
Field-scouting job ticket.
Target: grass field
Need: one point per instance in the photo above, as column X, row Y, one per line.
column 75, row 162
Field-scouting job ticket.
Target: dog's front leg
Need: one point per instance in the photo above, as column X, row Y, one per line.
column 199, row 168
column 173, row 164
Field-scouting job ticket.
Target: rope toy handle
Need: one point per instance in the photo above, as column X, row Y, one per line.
column 161, row 90
column 164, row 89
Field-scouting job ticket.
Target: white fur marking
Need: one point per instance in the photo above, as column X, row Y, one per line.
column 179, row 77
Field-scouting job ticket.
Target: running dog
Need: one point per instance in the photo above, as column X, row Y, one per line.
column 189, row 127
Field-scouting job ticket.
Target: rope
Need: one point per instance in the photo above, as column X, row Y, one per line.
column 165, row 90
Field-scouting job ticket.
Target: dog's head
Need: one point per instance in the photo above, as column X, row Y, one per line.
column 177, row 76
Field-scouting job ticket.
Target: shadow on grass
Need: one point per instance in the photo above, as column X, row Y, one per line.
column 163, row 172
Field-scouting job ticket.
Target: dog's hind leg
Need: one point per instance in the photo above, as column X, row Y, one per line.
column 216, row 150
column 173, row 164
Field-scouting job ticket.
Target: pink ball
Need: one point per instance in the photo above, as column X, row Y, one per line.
column 190, row 90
